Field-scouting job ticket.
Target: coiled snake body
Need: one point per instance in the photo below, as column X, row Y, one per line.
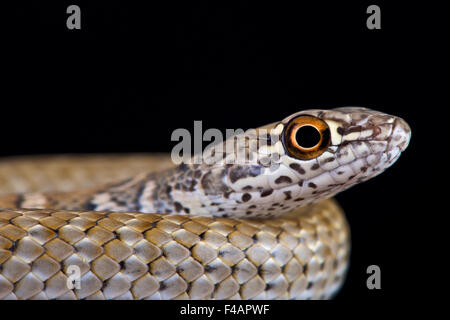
column 262, row 226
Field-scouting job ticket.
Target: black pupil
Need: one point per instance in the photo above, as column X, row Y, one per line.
column 307, row 136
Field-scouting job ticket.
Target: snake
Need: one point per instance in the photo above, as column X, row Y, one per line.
column 261, row 225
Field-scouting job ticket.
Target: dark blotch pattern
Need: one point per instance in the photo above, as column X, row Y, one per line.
column 312, row 185
column 178, row 206
column 240, row 172
column 266, row 193
column 246, row 197
column 288, row 195
column 297, row 168
column 283, row 179
column 212, row 183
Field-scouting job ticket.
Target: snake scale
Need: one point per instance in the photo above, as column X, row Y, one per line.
column 140, row 227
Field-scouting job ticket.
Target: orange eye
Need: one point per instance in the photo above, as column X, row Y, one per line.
column 306, row 137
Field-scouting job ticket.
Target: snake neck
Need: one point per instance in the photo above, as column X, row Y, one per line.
column 172, row 191
column 188, row 189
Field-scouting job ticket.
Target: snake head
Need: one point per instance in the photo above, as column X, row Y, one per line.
column 309, row 156
column 353, row 144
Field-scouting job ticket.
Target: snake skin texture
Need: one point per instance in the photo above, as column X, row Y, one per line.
column 152, row 256
column 138, row 227
column 65, row 173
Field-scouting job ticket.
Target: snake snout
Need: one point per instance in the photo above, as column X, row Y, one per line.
column 388, row 141
column 401, row 134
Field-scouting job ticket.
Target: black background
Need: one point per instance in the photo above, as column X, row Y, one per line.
column 134, row 73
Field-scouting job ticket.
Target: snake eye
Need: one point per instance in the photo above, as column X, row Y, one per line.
column 306, row 137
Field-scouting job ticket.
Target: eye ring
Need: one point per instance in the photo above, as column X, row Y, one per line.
column 317, row 139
